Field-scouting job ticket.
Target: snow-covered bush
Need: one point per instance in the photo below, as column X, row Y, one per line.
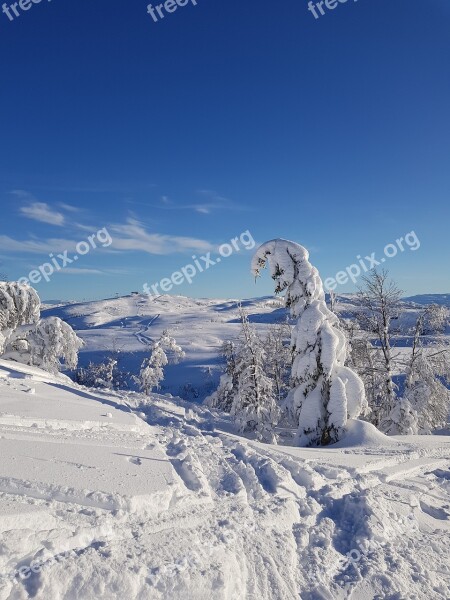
column 152, row 368
column 47, row 343
column 105, row 374
column 189, row 392
column 325, row 392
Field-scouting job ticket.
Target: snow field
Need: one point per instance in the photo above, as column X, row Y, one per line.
column 118, row 495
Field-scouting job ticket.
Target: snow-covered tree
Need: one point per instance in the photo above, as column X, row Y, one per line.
column 53, row 343
column 380, row 300
column 222, row 398
column 279, row 358
column 152, row 369
column 333, row 300
column 254, row 405
column 325, row 392
column 434, row 319
column 19, row 305
column 428, row 370
column 402, row 420
column 48, row 343
column 366, row 360
column 431, row 320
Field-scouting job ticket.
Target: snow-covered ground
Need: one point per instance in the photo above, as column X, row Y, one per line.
column 113, row 503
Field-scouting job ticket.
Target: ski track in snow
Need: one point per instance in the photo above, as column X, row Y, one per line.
column 142, row 336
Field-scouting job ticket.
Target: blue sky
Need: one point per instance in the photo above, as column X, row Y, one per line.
column 223, row 117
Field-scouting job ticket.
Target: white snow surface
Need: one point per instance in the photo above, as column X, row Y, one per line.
column 114, row 503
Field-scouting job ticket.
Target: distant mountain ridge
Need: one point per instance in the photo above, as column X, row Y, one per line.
column 442, row 299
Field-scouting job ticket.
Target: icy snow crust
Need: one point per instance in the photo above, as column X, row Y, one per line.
column 113, row 504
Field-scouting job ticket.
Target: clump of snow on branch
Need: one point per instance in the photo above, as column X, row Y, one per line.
column 325, row 393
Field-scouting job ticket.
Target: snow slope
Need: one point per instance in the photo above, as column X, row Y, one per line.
column 129, row 325
column 442, row 299
column 167, row 503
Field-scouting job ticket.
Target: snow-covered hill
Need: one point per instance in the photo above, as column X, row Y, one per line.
column 130, row 324
column 105, row 503
column 442, row 299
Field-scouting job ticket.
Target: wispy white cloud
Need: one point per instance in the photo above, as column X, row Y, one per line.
column 75, row 271
column 210, row 202
column 133, row 236
column 35, row 246
column 38, row 211
column 202, row 209
column 214, row 201
column 68, row 207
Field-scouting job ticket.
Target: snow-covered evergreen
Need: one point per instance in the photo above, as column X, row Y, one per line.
column 402, row 420
column 325, row 392
column 254, row 406
column 222, row 398
column 278, row 362
column 152, row 369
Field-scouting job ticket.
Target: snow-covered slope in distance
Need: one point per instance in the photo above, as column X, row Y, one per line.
column 442, row 299
column 130, row 324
